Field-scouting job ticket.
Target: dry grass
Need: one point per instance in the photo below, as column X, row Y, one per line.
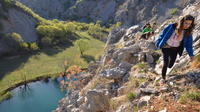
column 97, row 80
column 117, row 101
column 195, row 64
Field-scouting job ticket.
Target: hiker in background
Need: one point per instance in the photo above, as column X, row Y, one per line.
column 172, row 41
column 146, row 31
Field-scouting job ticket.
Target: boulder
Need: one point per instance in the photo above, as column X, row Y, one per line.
column 97, row 101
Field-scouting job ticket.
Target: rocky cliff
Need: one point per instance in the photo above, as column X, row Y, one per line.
column 16, row 20
column 129, row 12
column 127, row 77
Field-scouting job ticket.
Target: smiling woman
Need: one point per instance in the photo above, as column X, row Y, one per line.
column 172, row 41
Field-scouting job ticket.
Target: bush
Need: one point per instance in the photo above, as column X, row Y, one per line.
column 82, row 46
column 24, row 45
column 143, row 67
column 173, row 11
column 97, row 31
column 34, row 46
column 46, row 41
column 17, row 37
column 131, row 96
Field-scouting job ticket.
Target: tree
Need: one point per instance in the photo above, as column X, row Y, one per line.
column 83, row 46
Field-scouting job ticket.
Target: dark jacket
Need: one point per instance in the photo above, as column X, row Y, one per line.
column 165, row 35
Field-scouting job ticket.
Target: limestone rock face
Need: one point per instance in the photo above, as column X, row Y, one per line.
column 97, row 101
column 128, row 12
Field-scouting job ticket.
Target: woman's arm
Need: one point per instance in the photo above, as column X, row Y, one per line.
column 162, row 35
column 188, row 45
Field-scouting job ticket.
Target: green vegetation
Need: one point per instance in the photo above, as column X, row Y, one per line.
column 17, row 37
column 143, row 67
column 82, row 46
column 17, row 45
column 29, row 11
column 193, row 95
column 55, row 32
column 4, row 96
column 62, row 37
column 42, row 64
column 131, row 96
column 173, row 11
column 78, row 1
column 136, row 81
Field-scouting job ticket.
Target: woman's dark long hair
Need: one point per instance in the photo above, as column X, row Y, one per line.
column 179, row 26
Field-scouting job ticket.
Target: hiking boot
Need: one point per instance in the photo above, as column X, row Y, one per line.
column 163, row 81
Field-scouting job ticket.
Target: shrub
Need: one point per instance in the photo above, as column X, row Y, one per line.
column 97, row 31
column 173, row 11
column 143, row 67
column 131, row 96
column 34, row 46
column 17, row 37
column 82, row 46
column 46, row 41
column 24, row 45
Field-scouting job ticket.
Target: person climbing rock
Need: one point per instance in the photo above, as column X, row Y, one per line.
column 172, row 41
column 147, row 30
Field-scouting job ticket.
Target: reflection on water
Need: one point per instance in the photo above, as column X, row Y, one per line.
column 40, row 96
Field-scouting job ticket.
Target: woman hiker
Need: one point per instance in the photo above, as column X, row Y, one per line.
column 172, row 41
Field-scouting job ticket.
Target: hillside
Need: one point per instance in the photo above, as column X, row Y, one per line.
column 34, row 47
column 127, row 79
column 128, row 12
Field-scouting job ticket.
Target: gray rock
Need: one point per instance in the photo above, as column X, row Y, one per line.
column 149, row 58
column 132, row 30
column 114, row 73
column 164, row 89
column 144, row 101
column 140, row 75
column 144, row 85
column 97, row 100
column 197, row 83
column 129, row 43
column 25, row 27
column 131, row 49
column 80, row 100
column 125, row 65
column 148, row 90
column 75, row 110
column 125, row 78
column 115, row 35
column 93, row 66
column 125, row 107
column 70, row 107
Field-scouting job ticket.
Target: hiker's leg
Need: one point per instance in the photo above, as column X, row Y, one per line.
column 166, row 52
column 148, row 35
column 142, row 36
column 173, row 56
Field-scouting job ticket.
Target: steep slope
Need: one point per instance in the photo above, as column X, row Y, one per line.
column 129, row 12
column 127, row 77
column 18, row 21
